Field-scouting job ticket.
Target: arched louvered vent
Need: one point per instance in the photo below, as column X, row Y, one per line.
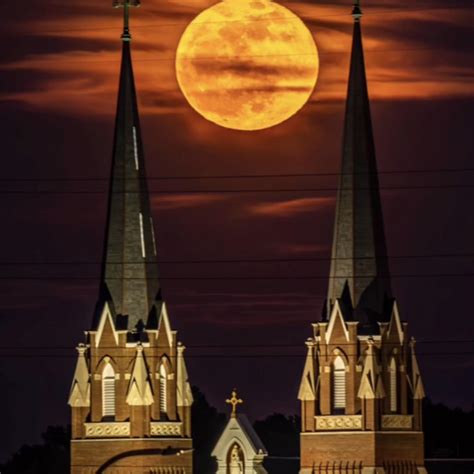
column 163, row 390
column 339, row 384
column 108, row 391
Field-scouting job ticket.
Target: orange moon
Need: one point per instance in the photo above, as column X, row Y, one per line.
column 247, row 64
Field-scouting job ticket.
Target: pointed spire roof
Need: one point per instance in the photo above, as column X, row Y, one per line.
column 416, row 383
column 129, row 274
column 80, row 394
column 359, row 266
column 371, row 385
column 139, row 389
column 307, row 390
column 184, row 396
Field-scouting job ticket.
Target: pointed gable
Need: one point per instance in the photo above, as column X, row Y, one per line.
column 165, row 334
column 106, row 326
column 139, row 389
column 337, row 328
column 395, row 329
column 80, row 393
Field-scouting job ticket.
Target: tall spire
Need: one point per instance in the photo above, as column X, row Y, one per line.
column 359, row 266
column 129, row 273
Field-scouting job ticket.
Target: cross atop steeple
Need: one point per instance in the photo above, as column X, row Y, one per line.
column 356, row 11
column 126, row 4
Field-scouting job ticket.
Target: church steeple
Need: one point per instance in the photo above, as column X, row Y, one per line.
column 129, row 275
column 359, row 266
column 130, row 398
column 356, row 391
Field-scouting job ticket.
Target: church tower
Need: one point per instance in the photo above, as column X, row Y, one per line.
column 361, row 390
column 130, row 396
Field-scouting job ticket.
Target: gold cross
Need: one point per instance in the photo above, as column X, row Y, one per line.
column 234, row 401
column 126, row 4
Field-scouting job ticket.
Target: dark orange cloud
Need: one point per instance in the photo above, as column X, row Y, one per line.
column 291, row 207
column 81, row 57
column 180, row 201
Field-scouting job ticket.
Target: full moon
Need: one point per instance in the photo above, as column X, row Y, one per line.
column 247, row 64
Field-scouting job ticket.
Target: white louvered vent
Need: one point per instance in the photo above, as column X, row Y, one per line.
column 339, row 384
column 163, row 390
column 393, row 385
column 108, row 391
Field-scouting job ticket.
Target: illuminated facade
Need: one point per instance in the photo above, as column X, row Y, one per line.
column 361, row 390
column 130, row 396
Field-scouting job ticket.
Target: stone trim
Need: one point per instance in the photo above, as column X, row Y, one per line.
column 342, row 422
column 107, row 429
column 397, row 422
column 168, row 428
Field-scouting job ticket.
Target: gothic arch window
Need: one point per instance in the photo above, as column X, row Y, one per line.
column 339, row 384
column 392, row 369
column 163, row 373
column 108, row 391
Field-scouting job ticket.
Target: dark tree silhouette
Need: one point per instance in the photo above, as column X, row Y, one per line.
column 51, row 457
column 207, row 426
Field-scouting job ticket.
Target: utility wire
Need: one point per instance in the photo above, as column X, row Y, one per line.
column 241, row 260
column 227, row 58
column 367, row 12
column 248, row 176
column 240, row 191
column 237, row 278
column 242, row 346
column 222, row 356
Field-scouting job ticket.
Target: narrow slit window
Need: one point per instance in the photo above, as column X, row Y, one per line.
column 142, row 235
column 393, row 385
column 108, row 391
column 153, row 235
column 135, row 147
column 339, row 384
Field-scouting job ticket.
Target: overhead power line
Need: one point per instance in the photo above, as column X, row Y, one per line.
column 222, row 356
column 241, row 176
column 240, row 191
column 367, row 12
column 241, row 260
column 238, row 346
column 247, row 277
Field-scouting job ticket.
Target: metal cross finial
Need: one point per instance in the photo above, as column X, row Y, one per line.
column 356, row 11
column 234, row 401
column 126, row 4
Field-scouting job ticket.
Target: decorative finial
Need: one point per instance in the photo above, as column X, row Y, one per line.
column 356, row 11
column 234, row 401
column 81, row 349
column 140, row 348
column 126, row 4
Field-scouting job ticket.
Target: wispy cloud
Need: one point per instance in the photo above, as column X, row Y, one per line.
column 73, row 53
column 291, row 207
column 181, row 201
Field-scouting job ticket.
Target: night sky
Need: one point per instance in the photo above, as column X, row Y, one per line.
column 59, row 66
